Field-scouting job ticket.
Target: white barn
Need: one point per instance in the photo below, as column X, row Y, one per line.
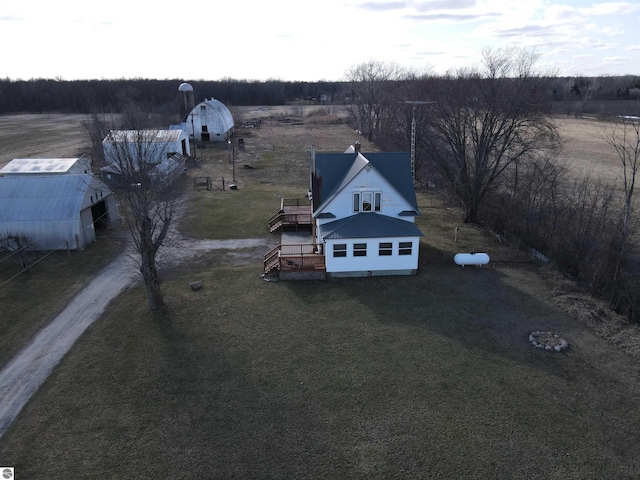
column 46, row 166
column 144, row 146
column 55, row 212
column 209, row 121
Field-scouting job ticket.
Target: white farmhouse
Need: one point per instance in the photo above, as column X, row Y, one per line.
column 362, row 214
column 209, row 121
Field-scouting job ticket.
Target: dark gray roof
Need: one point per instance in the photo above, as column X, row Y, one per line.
column 332, row 168
column 409, row 213
column 369, row 225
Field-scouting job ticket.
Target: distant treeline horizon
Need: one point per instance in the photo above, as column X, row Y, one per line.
column 162, row 96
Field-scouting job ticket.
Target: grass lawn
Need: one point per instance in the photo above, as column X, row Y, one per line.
column 413, row 377
column 426, row 376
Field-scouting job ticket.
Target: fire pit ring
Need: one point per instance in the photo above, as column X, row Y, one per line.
column 549, row 341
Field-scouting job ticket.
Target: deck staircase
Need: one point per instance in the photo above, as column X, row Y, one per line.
column 272, row 261
column 294, row 212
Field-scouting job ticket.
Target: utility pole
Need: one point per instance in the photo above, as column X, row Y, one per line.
column 414, row 104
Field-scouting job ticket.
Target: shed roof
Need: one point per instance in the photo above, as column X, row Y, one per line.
column 368, row 225
column 45, row 198
column 132, row 136
column 38, row 165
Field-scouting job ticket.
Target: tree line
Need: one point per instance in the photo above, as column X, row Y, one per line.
column 568, row 94
column 88, row 96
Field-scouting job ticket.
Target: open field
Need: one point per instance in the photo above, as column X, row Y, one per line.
column 41, row 136
column 430, row 376
column 62, row 135
column 585, row 153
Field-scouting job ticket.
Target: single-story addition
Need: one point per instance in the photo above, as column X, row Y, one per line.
column 362, row 212
column 46, row 166
column 55, row 212
column 209, row 121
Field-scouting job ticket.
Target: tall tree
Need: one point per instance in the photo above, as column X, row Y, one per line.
column 624, row 138
column 372, row 94
column 150, row 187
column 487, row 119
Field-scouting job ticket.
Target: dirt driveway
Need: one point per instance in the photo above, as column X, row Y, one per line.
column 23, row 375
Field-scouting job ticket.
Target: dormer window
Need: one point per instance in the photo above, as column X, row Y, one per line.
column 367, row 202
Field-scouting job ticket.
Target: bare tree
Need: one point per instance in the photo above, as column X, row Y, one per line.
column 486, row 120
column 372, row 94
column 149, row 185
column 625, row 139
column 17, row 245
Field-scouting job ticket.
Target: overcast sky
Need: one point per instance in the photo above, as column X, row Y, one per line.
column 307, row 40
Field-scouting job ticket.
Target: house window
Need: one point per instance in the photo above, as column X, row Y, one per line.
column 405, row 248
column 367, row 198
column 367, row 202
column 340, row 250
column 359, row 249
column 385, row 249
column 205, row 129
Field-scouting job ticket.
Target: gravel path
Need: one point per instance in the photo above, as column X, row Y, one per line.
column 23, row 375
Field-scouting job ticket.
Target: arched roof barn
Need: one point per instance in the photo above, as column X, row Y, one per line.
column 211, row 121
column 55, row 212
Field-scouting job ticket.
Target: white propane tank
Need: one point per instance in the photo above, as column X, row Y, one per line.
column 471, row 259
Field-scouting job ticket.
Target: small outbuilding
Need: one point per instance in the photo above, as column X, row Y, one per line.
column 209, row 121
column 55, row 212
column 149, row 147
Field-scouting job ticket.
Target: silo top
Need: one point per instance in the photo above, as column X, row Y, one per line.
column 185, row 87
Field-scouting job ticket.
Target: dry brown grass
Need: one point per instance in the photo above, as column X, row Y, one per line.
column 41, row 136
column 585, row 152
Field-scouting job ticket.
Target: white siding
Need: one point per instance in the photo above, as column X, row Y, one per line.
column 215, row 116
column 372, row 262
column 368, row 181
column 154, row 146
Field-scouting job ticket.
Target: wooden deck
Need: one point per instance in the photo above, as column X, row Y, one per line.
column 294, row 212
column 304, row 261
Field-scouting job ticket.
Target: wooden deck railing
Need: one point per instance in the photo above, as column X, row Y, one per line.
column 294, row 202
column 295, row 257
column 293, row 212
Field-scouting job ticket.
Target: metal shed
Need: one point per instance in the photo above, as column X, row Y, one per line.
column 143, row 146
column 55, row 212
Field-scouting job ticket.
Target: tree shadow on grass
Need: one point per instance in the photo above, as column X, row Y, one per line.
column 454, row 342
